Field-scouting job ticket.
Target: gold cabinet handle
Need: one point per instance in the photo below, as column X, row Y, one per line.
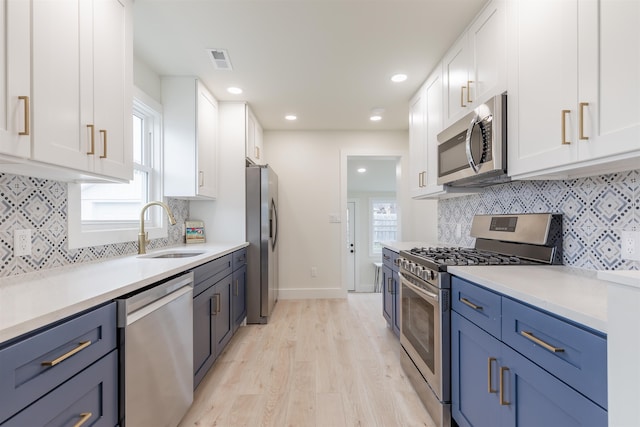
column 502, row 401
column 256, row 151
column 490, row 374
column 84, row 417
column 462, row 88
column 81, row 346
column 531, row 337
column 92, row 140
column 469, row 91
column 236, row 293
column 217, row 303
column 582, row 135
column 564, row 127
column 200, row 178
column 389, row 285
column 27, row 127
column 103, row 132
column 470, row 304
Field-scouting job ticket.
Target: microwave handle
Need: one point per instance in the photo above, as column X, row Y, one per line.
column 472, row 163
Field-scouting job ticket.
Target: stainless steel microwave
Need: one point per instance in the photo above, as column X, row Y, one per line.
column 473, row 150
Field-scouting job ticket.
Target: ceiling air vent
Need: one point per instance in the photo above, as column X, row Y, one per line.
column 220, row 59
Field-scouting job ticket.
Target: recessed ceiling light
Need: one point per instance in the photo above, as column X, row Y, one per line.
column 234, row 90
column 375, row 118
column 362, row 170
column 291, row 117
column 397, row 78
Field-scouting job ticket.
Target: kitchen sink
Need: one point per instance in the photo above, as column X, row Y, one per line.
column 173, row 255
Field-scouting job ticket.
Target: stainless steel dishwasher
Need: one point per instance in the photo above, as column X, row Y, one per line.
column 156, row 369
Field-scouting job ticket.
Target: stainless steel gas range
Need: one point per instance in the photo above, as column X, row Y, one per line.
column 425, row 335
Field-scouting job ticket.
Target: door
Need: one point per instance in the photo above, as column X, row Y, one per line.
column 351, row 246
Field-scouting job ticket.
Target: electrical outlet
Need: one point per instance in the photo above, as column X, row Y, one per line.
column 314, row 272
column 458, row 231
column 630, row 246
column 22, row 242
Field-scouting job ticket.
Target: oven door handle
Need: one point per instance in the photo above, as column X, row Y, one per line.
column 418, row 290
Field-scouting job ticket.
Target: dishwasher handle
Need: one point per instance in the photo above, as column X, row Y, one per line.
column 139, row 305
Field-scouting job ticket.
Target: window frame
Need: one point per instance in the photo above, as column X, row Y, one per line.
column 95, row 233
column 372, row 201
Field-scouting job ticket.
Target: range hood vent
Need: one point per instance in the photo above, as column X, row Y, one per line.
column 220, row 59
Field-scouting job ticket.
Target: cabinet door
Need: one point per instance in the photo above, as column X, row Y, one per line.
column 203, row 344
column 609, row 67
column 112, row 83
column 396, row 302
column 488, row 62
column 456, row 81
column 542, row 80
column 387, row 294
column 238, row 298
column 222, row 313
column 433, row 93
column 417, row 142
column 15, row 71
column 475, row 361
column 61, row 110
column 207, row 137
column 532, row 397
column 253, row 138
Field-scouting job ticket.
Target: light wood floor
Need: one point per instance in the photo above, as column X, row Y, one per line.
column 322, row 363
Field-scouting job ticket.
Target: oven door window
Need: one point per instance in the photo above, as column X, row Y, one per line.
column 419, row 325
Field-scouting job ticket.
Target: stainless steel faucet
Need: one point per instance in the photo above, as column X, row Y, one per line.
column 142, row 235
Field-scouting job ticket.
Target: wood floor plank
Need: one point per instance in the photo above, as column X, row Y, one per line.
column 318, row 363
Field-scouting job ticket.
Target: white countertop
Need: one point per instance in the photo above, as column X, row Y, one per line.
column 577, row 295
column 30, row 301
column 622, row 277
column 405, row 246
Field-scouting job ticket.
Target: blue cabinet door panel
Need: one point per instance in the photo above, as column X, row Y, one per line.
column 223, row 323
column 472, row 404
column 396, row 302
column 93, row 391
column 203, row 345
column 486, row 313
column 536, row 398
column 581, row 363
column 387, row 294
column 238, row 298
column 23, row 376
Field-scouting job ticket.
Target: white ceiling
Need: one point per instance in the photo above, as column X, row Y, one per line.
column 327, row 61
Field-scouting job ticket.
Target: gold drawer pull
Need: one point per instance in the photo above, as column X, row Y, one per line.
column 462, row 88
column 26, row 115
column 236, row 293
column 469, row 91
column 502, row 401
column 530, row 336
column 81, row 346
column 92, row 139
column 470, row 304
column 564, row 127
column 582, row 135
column 104, row 140
column 489, row 363
column 84, row 417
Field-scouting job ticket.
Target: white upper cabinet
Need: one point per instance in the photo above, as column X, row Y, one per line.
column 15, row 91
column 82, row 106
column 474, row 69
column 190, row 116
column 574, row 106
column 253, row 138
column 425, row 122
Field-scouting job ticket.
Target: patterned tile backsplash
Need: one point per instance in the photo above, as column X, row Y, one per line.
column 41, row 205
column 595, row 212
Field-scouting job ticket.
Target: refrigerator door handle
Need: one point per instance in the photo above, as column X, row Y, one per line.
column 273, row 224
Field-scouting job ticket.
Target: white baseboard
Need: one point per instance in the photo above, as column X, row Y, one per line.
column 365, row 287
column 312, row 293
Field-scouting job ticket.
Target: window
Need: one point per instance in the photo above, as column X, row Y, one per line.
column 110, row 213
column 384, row 223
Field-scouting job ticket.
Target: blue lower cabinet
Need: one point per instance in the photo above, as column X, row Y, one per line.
column 387, row 294
column 238, row 297
column 396, row 302
column 91, row 395
column 532, row 397
column 474, row 375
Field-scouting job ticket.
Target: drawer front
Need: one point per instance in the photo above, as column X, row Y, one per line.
column 579, row 358
column 211, row 272
column 477, row 304
column 239, row 258
column 24, row 377
column 90, row 395
column 389, row 258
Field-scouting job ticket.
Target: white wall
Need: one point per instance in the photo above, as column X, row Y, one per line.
column 311, row 168
column 146, row 79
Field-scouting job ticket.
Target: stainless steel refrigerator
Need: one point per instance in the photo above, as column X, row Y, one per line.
column 262, row 234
